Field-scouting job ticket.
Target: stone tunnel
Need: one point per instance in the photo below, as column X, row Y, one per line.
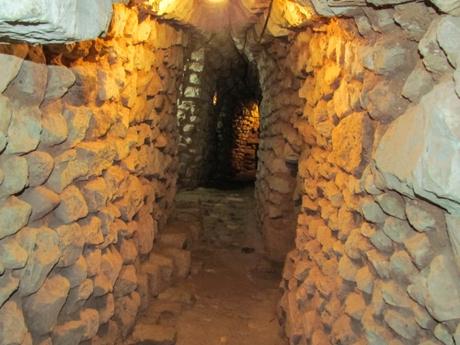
column 241, row 172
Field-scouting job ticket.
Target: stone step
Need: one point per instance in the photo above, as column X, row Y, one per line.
column 182, row 260
column 178, row 240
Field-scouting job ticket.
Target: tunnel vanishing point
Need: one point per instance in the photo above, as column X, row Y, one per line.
column 346, row 113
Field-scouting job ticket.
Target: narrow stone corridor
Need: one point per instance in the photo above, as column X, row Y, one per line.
column 231, row 294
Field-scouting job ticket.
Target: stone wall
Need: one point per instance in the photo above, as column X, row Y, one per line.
column 87, row 178
column 246, row 129
column 375, row 259
column 196, row 121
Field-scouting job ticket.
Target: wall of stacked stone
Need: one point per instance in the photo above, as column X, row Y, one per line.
column 376, row 246
column 280, row 143
column 87, row 176
column 246, row 129
column 196, row 121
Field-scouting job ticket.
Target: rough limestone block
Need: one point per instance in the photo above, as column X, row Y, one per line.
column 42, row 245
column 372, row 211
column 419, row 151
column 91, row 229
column 75, row 273
column 72, row 207
column 90, row 318
column 126, row 282
column 448, row 6
column 40, row 165
column 68, row 333
column 414, row 18
column 67, row 168
column 42, row 308
column 42, row 200
column 54, row 126
column 128, row 251
column 14, row 214
column 442, row 289
column 71, row 242
column 449, row 37
column 8, row 285
column 145, row 233
column 402, row 323
column 351, row 143
column 396, row 229
column 78, row 119
column 95, row 194
column 24, row 131
column 12, row 255
column 419, row 248
column 453, row 229
column 126, row 309
column 389, row 56
column 78, row 296
column 182, row 261
column 419, row 82
column 28, row 88
column 393, row 204
column 422, row 216
column 111, row 265
column 60, row 78
column 12, row 325
column 434, row 58
column 15, row 180
column 98, row 156
column 54, row 21
column 10, row 66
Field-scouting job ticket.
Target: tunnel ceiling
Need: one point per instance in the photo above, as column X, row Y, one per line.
column 53, row 21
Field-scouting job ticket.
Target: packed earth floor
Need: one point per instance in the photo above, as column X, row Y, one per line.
column 231, row 294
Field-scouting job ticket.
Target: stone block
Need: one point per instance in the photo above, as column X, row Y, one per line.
column 11, row 66
column 422, row 216
column 403, row 324
column 418, row 153
column 24, row 130
column 105, row 305
column 14, row 214
column 111, row 265
column 40, row 164
column 393, row 204
column 75, row 273
column 442, row 289
column 41, row 309
column 67, row 168
column 69, row 333
column 60, row 78
column 97, row 156
column 55, row 21
column 28, row 88
column 126, row 282
column 181, row 259
column 93, row 258
column 95, row 193
column 90, row 318
column 13, row 328
column 418, row 83
column 71, row 242
column 44, row 252
column 54, row 126
column 372, row 211
column 78, row 119
column 91, row 229
column 448, row 34
column 126, row 309
column 15, row 179
column 8, row 285
column 397, row 229
column 42, row 200
column 78, row 297
column 419, row 248
column 351, row 143
column 12, row 255
column 145, row 232
column 434, row 58
column 448, row 6
column 128, row 251
column 72, row 207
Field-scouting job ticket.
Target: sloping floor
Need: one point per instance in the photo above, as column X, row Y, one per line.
column 232, row 292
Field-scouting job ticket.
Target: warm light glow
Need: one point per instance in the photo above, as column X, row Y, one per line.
column 216, row 1
column 214, row 99
column 296, row 14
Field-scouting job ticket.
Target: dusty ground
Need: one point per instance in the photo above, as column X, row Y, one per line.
column 233, row 290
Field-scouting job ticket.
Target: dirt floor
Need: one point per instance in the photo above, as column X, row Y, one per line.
column 232, row 292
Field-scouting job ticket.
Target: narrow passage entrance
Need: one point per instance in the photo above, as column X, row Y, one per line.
column 232, row 292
